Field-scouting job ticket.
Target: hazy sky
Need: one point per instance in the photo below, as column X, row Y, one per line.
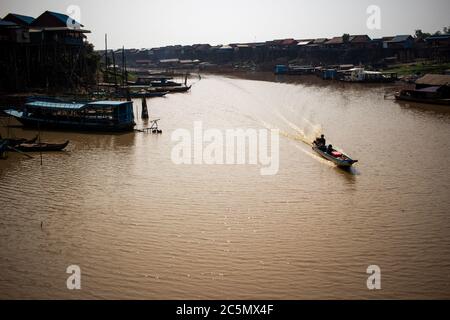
column 153, row 23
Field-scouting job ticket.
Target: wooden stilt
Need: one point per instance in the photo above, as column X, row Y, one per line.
column 144, row 113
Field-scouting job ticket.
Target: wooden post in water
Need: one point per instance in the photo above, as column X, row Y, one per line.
column 144, row 113
column 39, row 141
column 128, row 94
column 114, row 68
column 105, row 77
column 125, row 66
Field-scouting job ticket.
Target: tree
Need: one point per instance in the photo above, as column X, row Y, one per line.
column 345, row 37
column 421, row 35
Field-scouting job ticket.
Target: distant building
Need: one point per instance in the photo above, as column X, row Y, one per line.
column 359, row 41
column 431, row 88
column 304, row 42
column 399, row 42
column 354, row 41
column 320, row 41
column 282, row 43
column 439, row 40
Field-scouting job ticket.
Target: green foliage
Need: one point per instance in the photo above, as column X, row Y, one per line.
column 345, row 37
column 423, row 35
column 419, row 68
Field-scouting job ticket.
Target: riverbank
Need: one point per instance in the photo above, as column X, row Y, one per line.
column 419, row 68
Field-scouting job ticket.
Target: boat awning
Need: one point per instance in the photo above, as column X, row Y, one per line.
column 74, row 106
column 101, row 104
column 55, row 105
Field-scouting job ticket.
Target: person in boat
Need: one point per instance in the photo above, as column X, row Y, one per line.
column 330, row 149
column 321, row 142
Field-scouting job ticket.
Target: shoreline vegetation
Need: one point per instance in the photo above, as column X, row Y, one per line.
column 419, row 68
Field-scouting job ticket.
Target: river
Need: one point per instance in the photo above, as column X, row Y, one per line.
column 140, row 226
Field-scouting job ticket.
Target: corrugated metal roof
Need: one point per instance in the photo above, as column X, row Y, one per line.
column 400, row 38
column 434, row 80
column 335, row 40
column 359, row 38
column 73, row 106
column 429, row 89
column 438, row 37
column 25, row 19
column 63, row 18
column 55, row 105
column 108, row 103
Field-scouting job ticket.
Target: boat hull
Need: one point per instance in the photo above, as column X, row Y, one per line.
column 445, row 102
column 42, row 147
column 68, row 125
column 148, row 94
column 339, row 162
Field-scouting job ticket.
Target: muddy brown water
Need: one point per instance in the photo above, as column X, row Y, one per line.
column 140, row 226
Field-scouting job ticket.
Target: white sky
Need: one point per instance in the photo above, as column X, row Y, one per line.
column 153, row 23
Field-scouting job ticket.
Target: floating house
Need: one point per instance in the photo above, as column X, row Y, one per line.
column 77, row 116
column 431, row 88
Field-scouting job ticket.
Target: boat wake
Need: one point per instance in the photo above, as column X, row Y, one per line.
column 298, row 136
column 306, row 135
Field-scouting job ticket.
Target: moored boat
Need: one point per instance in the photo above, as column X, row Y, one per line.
column 147, row 94
column 431, row 88
column 14, row 142
column 427, row 95
column 338, row 158
column 182, row 88
column 43, row 147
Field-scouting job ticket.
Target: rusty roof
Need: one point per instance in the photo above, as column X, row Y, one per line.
column 434, row 80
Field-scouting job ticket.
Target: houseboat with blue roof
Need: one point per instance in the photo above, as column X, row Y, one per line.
column 76, row 116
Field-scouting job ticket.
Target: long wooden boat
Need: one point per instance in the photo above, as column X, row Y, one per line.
column 148, row 94
column 14, row 142
column 338, row 158
column 43, row 147
column 170, row 89
column 106, row 116
column 164, row 84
